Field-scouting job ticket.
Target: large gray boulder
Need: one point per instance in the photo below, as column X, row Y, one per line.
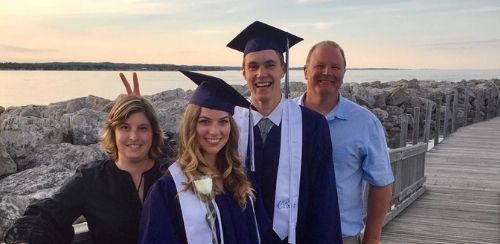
column 159, row 99
column 23, row 111
column 362, row 96
column 380, row 114
column 170, row 106
column 65, row 155
column 84, row 126
column 170, row 116
column 18, row 190
column 22, row 135
column 398, row 96
column 57, row 110
column 7, row 165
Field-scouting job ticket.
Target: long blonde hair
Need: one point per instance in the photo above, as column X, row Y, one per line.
column 191, row 160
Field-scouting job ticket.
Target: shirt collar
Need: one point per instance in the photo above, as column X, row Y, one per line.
column 274, row 116
column 339, row 111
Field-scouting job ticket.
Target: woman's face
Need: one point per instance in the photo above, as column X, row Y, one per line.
column 212, row 131
column 134, row 138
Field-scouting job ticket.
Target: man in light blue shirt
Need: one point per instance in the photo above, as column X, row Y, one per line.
column 358, row 141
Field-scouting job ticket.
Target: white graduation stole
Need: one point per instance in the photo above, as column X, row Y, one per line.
column 193, row 211
column 289, row 168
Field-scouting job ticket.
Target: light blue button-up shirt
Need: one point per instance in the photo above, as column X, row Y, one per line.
column 359, row 154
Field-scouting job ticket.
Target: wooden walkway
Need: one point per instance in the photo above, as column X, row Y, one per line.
column 462, row 199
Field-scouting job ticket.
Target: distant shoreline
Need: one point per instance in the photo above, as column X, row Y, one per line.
column 109, row 66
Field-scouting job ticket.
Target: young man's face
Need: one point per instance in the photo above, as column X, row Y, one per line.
column 263, row 72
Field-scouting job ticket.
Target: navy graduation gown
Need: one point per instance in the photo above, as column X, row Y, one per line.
column 318, row 218
column 162, row 220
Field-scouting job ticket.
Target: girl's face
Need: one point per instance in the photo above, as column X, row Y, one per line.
column 134, row 138
column 212, row 130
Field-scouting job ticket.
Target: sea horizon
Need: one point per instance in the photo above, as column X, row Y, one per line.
column 90, row 66
column 42, row 87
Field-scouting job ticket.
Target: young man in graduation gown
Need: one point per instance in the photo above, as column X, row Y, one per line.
column 294, row 175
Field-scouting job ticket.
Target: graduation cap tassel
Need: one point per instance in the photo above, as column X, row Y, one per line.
column 251, row 139
column 287, row 88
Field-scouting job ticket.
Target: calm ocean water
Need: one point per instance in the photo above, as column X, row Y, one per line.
column 19, row 88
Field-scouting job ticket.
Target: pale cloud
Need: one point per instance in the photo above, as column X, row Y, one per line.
column 18, row 49
column 323, row 25
column 306, row 2
column 319, row 25
column 480, row 10
column 72, row 7
column 488, row 43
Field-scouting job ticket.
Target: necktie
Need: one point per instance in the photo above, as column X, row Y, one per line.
column 265, row 125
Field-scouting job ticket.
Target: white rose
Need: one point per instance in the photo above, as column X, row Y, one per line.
column 204, row 185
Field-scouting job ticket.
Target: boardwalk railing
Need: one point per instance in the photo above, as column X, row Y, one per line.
column 445, row 114
column 408, row 166
column 408, row 162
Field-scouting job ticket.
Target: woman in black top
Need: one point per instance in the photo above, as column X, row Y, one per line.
column 108, row 193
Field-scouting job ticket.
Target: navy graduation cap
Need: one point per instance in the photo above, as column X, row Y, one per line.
column 214, row 93
column 259, row 36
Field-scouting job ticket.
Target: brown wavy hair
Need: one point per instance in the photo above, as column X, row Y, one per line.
column 191, row 160
column 121, row 111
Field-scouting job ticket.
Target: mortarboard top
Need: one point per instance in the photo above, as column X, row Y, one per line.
column 259, row 36
column 214, row 93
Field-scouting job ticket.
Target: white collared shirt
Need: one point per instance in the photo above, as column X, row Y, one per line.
column 274, row 116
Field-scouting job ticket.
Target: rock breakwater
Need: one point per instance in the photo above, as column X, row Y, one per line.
column 41, row 146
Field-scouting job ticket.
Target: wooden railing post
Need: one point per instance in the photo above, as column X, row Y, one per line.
column 466, row 108
column 404, row 130
column 437, row 123
column 428, row 118
column 489, row 106
column 498, row 105
column 447, row 111
column 416, row 125
column 477, row 117
column 454, row 112
column 495, row 104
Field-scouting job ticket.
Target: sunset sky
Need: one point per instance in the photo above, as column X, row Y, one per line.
column 445, row 34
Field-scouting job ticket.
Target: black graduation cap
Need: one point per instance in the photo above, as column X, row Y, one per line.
column 214, row 93
column 259, row 36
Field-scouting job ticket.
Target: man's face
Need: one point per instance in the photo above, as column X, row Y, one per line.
column 263, row 72
column 325, row 71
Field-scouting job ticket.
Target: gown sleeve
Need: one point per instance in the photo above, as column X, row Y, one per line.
column 324, row 221
column 50, row 220
column 161, row 220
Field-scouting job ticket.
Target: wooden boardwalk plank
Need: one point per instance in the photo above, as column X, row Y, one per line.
column 462, row 200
